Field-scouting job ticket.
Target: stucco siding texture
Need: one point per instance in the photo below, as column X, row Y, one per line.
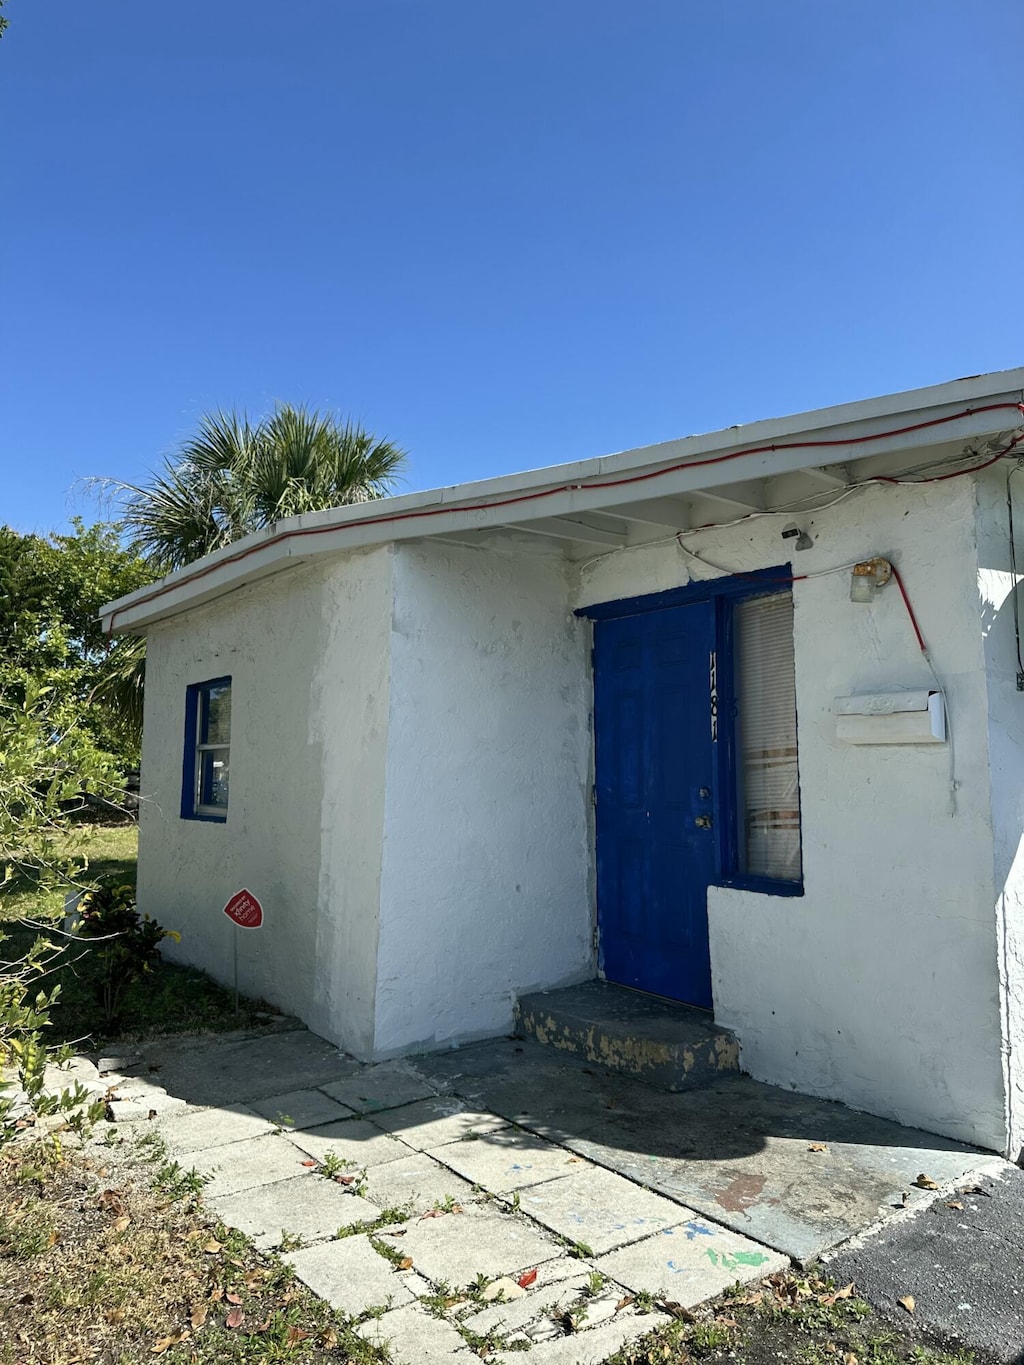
column 306, row 654
column 880, row 985
column 486, row 877
column 1006, row 748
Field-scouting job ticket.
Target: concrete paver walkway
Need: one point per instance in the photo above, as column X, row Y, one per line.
column 390, row 1187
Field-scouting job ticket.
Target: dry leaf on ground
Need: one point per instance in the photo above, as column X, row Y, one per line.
column 925, row 1182
column 907, row 1302
column 235, row 1318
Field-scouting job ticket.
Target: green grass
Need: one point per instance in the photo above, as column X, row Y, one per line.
column 170, row 999
column 107, row 851
column 799, row 1319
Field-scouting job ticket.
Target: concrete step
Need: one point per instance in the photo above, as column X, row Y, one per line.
column 658, row 1041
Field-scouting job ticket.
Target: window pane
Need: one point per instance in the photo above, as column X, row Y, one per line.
column 769, row 787
column 215, row 719
column 213, row 778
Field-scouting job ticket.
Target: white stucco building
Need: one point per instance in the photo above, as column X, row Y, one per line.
column 598, row 718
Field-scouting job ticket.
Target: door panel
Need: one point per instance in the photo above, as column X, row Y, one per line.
column 654, row 757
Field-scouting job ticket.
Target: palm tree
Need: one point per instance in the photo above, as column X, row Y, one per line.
column 234, row 477
column 229, row 479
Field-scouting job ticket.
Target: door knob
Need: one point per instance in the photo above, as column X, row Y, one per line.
column 703, row 822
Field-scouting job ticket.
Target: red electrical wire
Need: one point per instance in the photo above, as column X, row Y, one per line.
column 521, row 498
column 910, row 610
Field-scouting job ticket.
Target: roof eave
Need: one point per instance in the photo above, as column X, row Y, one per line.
column 960, row 410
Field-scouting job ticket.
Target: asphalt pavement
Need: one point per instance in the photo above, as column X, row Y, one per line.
column 961, row 1260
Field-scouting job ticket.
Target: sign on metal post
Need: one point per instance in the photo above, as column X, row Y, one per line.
column 245, row 912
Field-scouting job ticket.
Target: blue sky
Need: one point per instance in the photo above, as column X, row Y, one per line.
column 503, row 234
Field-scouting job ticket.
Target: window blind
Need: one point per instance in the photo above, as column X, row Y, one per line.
column 768, row 778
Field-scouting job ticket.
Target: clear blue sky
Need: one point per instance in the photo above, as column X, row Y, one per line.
column 504, row 234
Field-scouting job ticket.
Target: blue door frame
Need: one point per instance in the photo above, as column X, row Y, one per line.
column 666, row 823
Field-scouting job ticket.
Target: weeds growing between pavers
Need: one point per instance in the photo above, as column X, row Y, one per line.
column 108, row 1256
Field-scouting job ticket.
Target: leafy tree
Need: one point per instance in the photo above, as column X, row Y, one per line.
column 51, row 591
column 47, row 763
column 234, row 477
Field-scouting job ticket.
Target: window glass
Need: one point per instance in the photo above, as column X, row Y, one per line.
column 213, row 778
column 768, row 777
column 215, row 722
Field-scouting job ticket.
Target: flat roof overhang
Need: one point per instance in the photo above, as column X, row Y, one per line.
column 630, row 498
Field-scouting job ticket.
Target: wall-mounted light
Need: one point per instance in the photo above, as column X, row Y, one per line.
column 793, row 532
column 867, row 577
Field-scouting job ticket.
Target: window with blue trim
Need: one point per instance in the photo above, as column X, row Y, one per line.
column 207, row 761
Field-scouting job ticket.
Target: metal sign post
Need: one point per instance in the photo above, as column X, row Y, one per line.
column 245, row 912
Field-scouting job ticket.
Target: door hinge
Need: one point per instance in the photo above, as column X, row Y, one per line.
column 593, row 795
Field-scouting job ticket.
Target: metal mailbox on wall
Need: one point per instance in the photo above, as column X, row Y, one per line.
column 910, row 716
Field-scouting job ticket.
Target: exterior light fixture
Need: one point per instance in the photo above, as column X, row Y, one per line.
column 867, row 577
column 793, row 532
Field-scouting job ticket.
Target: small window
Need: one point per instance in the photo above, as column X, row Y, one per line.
column 768, row 781
column 207, row 764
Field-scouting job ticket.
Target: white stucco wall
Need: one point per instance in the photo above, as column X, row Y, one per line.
column 486, row 887
column 307, row 655
column 880, row 985
column 1006, row 748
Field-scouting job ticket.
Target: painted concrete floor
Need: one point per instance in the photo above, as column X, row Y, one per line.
column 506, row 1158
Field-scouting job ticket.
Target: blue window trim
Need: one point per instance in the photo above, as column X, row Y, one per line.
column 725, row 592
column 193, row 692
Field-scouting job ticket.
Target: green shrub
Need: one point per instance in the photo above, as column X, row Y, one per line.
column 128, row 943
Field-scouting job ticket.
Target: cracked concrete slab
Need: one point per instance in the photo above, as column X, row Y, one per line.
column 301, row 1109
column 534, row 1310
column 689, row 1263
column 381, row 1087
column 352, row 1140
column 229, row 1070
column 352, row 1277
column 508, row 1159
column 458, row 1247
column 196, row 1130
column 244, row 1165
column 416, row 1182
column 410, row 1336
column 744, row 1154
column 598, row 1209
column 306, row 1206
column 592, row 1346
column 436, row 1121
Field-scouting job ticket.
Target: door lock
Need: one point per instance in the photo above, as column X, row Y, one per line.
column 703, row 822
column 704, row 793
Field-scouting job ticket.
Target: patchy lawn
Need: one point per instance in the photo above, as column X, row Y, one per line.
column 171, row 999
column 109, row 1258
column 794, row 1319
column 108, row 851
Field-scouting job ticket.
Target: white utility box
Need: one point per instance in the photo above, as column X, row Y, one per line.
column 901, row 717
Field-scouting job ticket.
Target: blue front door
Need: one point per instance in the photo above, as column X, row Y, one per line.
column 655, row 729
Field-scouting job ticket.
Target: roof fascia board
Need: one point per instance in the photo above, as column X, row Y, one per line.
column 452, row 509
